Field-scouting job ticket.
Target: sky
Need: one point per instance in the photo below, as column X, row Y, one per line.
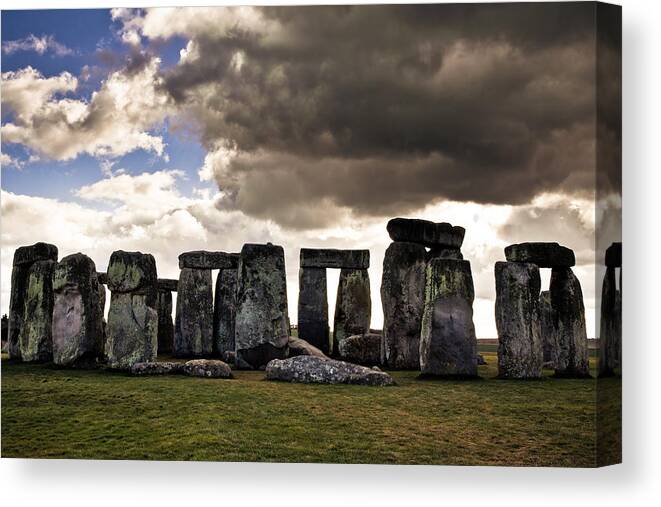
column 166, row 130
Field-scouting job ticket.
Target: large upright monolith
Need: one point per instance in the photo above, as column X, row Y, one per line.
column 353, row 306
column 448, row 346
column 78, row 337
column 132, row 331
column 313, row 308
column 193, row 333
column 520, row 352
column 569, row 324
column 224, row 312
column 610, row 329
column 403, row 299
column 165, row 325
column 24, row 258
column 36, row 338
column 262, row 319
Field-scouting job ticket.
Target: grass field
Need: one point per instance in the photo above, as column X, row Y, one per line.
column 54, row 413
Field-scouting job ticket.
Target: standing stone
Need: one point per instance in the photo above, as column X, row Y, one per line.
column 520, row 353
column 193, row 334
column 262, row 320
column 132, row 332
column 224, row 311
column 313, row 308
column 36, row 339
column 5, row 331
column 24, row 257
column 569, row 324
column 165, row 326
column 609, row 328
column 549, row 342
column 403, row 301
column 448, row 346
column 78, row 312
column 353, row 306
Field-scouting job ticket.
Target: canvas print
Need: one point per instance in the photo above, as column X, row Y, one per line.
column 385, row 234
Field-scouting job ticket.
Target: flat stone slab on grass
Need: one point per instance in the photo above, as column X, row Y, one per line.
column 33, row 253
column 316, row 370
column 201, row 259
column 208, row 368
column 157, row 368
column 544, row 255
column 426, row 233
column 334, row 259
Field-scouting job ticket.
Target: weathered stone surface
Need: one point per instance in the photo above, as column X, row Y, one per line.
column 224, row 311
column 165, row 325
column 317, row 370
column 520, row 354
column 26, row 255
column 79, row 302
column 35, row 339
column 262, row 319
column 201, row 259
column 365, row 349
column 614, row 256
column 332, row 258
column 549, row 342
column 444, row 253
column 167, row 284
column 19, row 279
column 131, row 272
column 102, row 278
column 208, row 368
column 569, row 324
column 193, row 333
column 157, row 368
column 610, row 329
column 300, row 347
column 448, row 346
column 545, row 255
column 229, row 357
column 4, row 325
column 403, row 301
column 353, row 305
column 426, row 233
column 313, row 308
column 132, row 331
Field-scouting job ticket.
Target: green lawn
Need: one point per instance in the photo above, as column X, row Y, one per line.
column 53, row 413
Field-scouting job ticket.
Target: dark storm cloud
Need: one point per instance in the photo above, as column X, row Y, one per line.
column 383, row 109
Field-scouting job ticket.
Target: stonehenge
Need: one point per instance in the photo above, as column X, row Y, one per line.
column 224, row 311
column 353, row 304
column 317, row 370
column 78, row 332
column 262, row 317
column 132, row 330
column 165, row 325
column 610, row 326
column 365, row 349
column 534, row 328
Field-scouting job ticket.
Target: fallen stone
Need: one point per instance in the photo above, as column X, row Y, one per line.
column 365, row 349
column 337, row 259
column 132, row 331
column 570, row 328
column 224, row 311
column 36, row 339
column 79, row 301
column 131, row 272
column 544, row 255
column 201, row 259
column 208, row 368
column 520, row 353
column 313, row 308
column 193, row 332
column 157, row 368
column 403, row 301
column 300, row 347
column 262, row 319
column 316, row 370
column 167, row 284
column 614, row 256
column 448, row 346
column 27, row 255
column 426, row 233
column 165, row 324
column 549, row 342
column 353, row 305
